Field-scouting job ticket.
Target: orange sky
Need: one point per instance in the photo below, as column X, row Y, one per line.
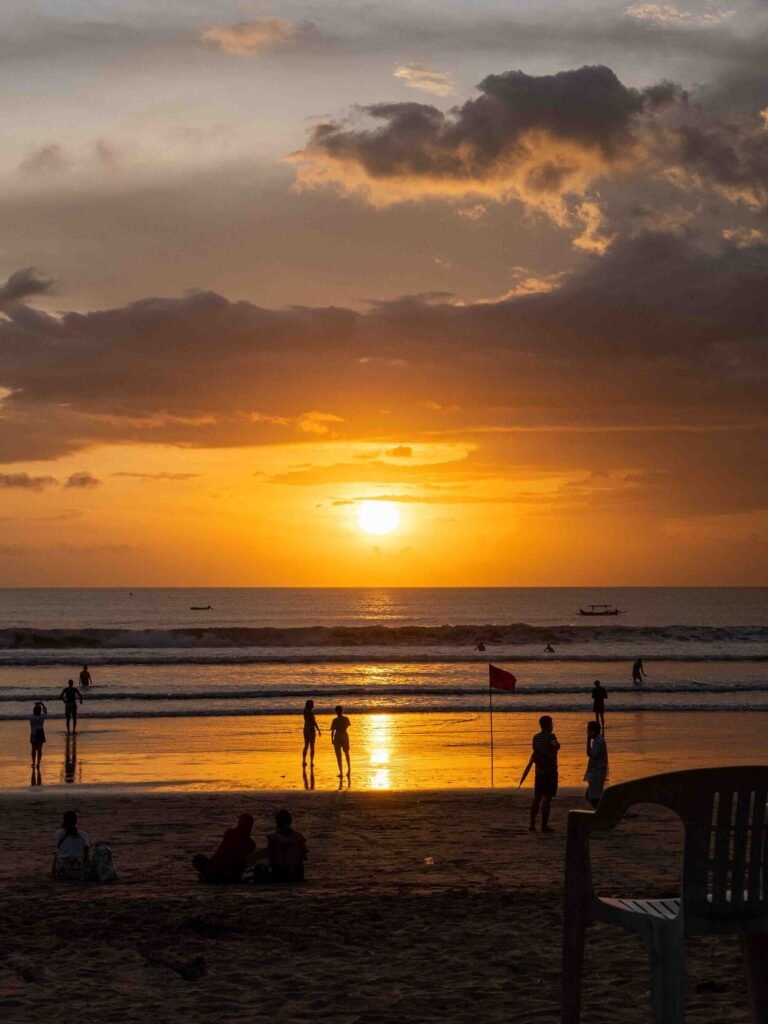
column 507, row 279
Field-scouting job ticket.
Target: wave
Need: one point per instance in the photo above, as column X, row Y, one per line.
column 352, row 691
column 463, row 635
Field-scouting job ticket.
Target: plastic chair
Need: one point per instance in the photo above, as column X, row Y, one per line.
column 724, row 883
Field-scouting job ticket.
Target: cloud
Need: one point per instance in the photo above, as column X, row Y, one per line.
column 23, row 481
column 318, row 422
column 49, row 159
column 402, row 451
column 25, row 284
column 160, row 476
column 251, row 37
column 668, row 15
column 417, row 76
column 82, row 481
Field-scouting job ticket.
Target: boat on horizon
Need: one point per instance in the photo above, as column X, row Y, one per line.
column 200, row 607
column 601, row 609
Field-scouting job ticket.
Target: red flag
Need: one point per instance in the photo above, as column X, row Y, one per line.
column 501, row 679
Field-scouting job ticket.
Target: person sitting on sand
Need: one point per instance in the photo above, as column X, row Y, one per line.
column 311, row 729
column 599, row 697
column 72, row 852
column 235, row 852
column 340, row 737
column 597, row 764
column 544, row 757
column 71, row 695
column 37, row 731
column 286, row 850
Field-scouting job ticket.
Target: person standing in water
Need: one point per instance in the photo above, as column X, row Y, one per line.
column 37, row 732
column 597, row 763
column 599, row 695
column 85, row 678
column 71, row 695
column 311, row 730
column 340, row 737
column 638, row 672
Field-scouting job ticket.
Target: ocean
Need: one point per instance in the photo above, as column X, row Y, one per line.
column 221, row 652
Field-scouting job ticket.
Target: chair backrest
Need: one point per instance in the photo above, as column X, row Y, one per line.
column 723, row 811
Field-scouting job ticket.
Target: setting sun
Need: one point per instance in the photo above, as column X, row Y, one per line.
column 378, row 516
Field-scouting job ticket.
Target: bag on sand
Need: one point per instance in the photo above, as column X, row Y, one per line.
column 102, row 865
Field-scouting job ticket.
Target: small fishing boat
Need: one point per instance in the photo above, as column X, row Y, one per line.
column 200, row 607
column 601, row 609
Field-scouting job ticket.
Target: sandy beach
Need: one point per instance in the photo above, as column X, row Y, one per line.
column 378, row 933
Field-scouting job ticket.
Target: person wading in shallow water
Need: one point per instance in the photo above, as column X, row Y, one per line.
column 71, row 695
column 340, row 737
column 638, row 672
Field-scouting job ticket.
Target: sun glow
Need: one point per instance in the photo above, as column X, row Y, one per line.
column 378, row 516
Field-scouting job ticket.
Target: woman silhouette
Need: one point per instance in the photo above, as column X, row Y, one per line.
column 311, row 729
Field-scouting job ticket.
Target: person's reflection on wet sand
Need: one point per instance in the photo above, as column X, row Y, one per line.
column 70, row 758
column 36, row 779
column 309, row 780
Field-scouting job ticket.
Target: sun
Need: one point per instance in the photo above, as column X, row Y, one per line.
column 378, row 516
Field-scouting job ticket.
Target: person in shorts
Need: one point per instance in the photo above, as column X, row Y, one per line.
column 544, row 759
column 599, row 697
column 71, row 695
column 340, row 737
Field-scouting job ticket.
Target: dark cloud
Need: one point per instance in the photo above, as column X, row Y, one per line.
column 25, row 482
column 160, row 476
column 48, row 159
column 82, row 481
column 25, row 284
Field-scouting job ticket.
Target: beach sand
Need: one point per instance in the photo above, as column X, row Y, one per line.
column 376, row 935
column 389, row 751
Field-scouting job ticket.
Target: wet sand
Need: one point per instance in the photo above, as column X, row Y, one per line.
column 389, row 751
column 376, row 936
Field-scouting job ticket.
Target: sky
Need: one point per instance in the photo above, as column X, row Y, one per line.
column 498, row 268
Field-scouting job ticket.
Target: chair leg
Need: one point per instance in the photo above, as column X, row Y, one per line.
column 666, row 955
column 755, row 949
column 574, row 938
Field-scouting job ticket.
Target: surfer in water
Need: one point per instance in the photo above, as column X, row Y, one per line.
column 638, row 672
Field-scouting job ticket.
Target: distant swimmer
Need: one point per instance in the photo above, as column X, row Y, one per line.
column 71, row 695
column 85, row 678
column 638, row 672
column 340, row 737
column 480, row 646
column 599, row 696
column 549, row 649
column 311, row 729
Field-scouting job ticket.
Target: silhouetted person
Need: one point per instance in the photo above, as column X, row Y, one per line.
column 235, row 852
column 480, row 646
column 597, row 763
column 85, row 678
column 340, row 737
column 37, row 732
column 311, row 730
column 286, row 850
column 70, row 757
column 638, row 672
column 71, row 695
column 599, row 697
column 549, row 649
column 72, row 852
column 544, row 759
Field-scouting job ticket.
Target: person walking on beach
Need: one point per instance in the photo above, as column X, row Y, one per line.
column 340, row 737
column 311, row 730
column 599, row 696
column 85, row 678
column 544, row 759
column 71, row 695
column 638, row 672
column 597, row 763
column 37, row 732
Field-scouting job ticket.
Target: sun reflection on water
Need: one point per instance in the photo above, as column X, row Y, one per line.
column 380, row 750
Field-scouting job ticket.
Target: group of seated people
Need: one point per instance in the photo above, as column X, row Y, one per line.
column 236, row 859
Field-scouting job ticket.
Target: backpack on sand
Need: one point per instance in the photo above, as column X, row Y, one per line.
column 102, row 865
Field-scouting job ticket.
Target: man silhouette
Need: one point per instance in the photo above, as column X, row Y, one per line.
column 340, row 737
column 71, row 695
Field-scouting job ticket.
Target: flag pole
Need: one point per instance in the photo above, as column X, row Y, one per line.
column 490, row 709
